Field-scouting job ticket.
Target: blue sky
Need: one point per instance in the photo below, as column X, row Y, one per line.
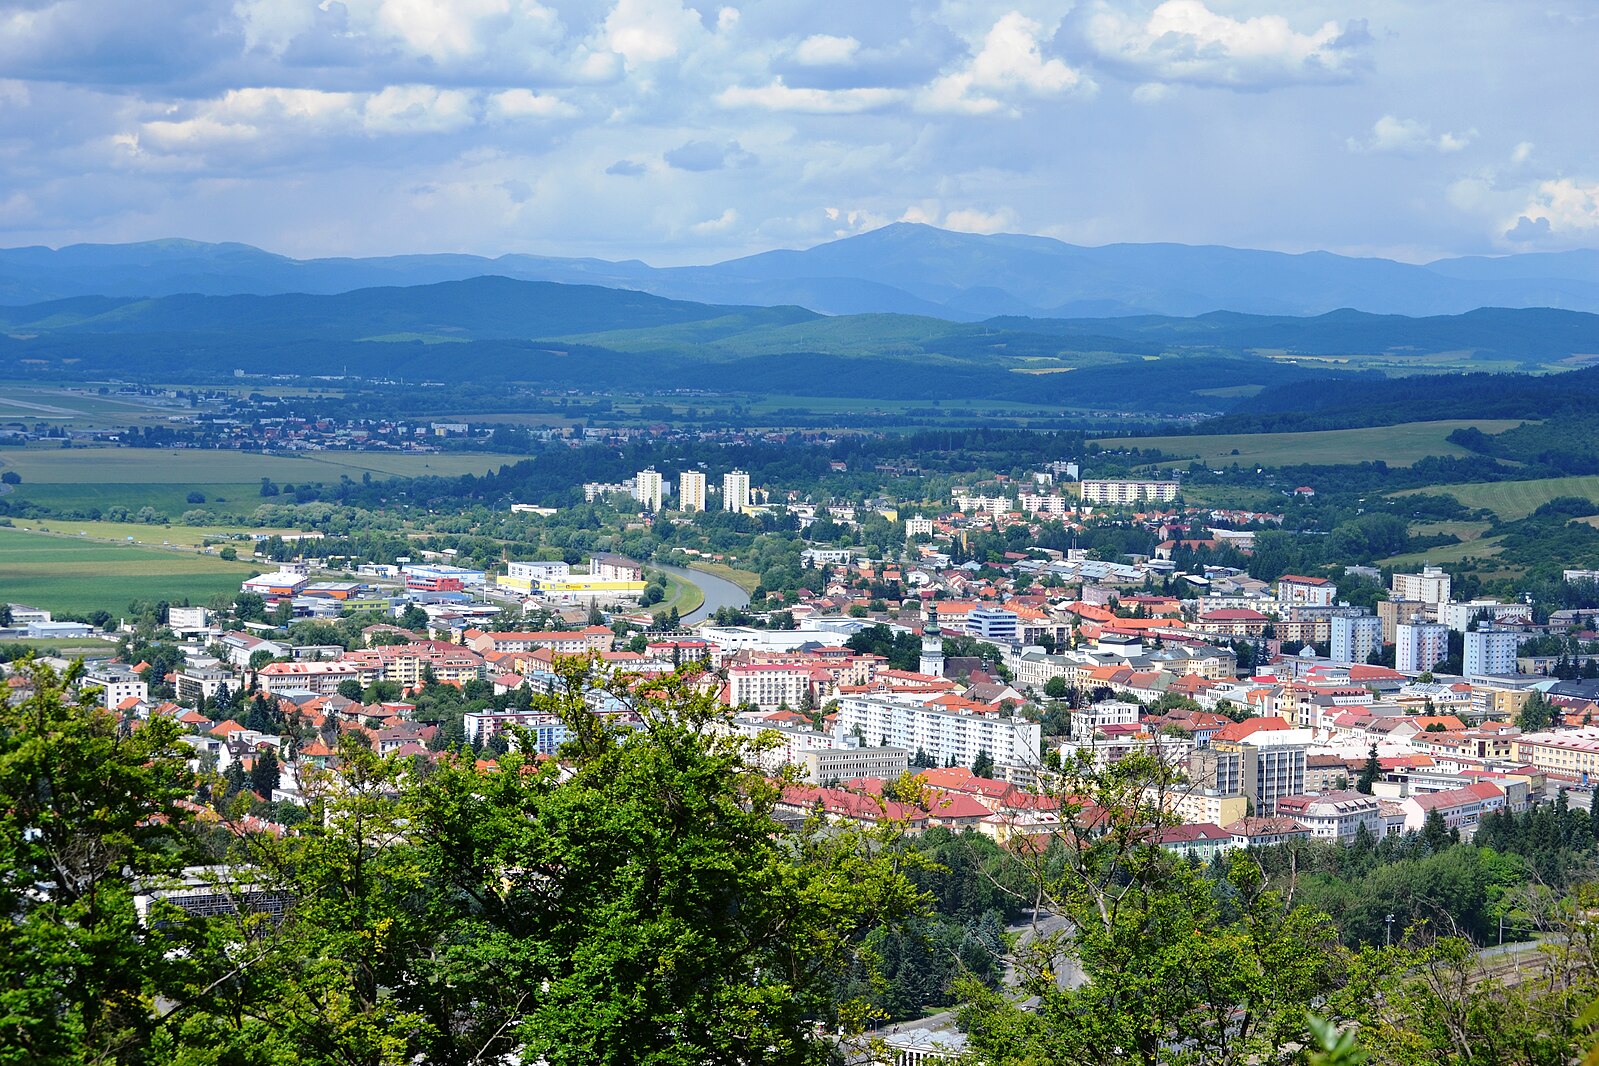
column 681, row 133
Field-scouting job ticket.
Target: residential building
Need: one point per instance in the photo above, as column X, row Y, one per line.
column 1571, row 751
column 1203, row 841
column 1460, row 616
column 948, row 734
column 691, row 491
column 1297, row 590
column 1419, row 646
column 821, row 765
column 736, row 491
column 1124, row 493
column 768, row 686
column 649, row 489
column 194, row 683
column 561, row 642
column 1490, row 652
column 1260, row 758
column 1394, row 613
column 320, row 678
column 1460, row 808
column 1264, row 832
column 547, row 730
column 1429, row 586
column 1334, row 815
column 1355, row 639
column 117, row 682
column 611, row 567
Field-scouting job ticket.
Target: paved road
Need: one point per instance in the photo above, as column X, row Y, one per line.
column 719, row 592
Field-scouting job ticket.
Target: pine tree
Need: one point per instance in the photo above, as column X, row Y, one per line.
column 1369, row 773
column 265, row 774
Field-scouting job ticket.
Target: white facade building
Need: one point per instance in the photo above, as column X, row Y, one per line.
column 736, row 492
column 691, row 491
column 1429, row 586
column 649, row 488
column 947, row 735
column 1490, row 652
column 1354, row 639
column 1128, row 492
column 1419, row 646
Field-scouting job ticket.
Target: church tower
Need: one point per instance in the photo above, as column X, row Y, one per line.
column 932, row 644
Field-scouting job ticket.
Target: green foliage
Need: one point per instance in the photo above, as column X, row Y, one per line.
column 88, row 813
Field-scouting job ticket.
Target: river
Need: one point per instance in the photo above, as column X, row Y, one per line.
column 719, row 592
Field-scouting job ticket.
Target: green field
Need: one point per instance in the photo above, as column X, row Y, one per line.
column 1511, row 500
column 1399, row 445
column 191, row 537
column 1485, row 548
column 66, row 574
column 155, row 466
column 85, row 478
column 683, row 595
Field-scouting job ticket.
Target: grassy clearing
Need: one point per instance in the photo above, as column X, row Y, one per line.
column 1485, row 548
column 70, row 574
column 1466, row 531
column 744, row 579
column 84, row 648
column 1511, row 500
column 684, row 595
column 1399, row 445
column 191, row 537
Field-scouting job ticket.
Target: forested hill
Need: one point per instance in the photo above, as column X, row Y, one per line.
column 493, row 329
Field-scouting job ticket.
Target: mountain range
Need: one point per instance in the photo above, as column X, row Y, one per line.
column 904, row 268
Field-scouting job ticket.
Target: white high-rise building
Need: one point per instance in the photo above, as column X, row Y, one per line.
column 1419, row 646
column 1429, row 586
column 1354, row 639
column 736, row 492
column 1490, row 652
column 691, row 491
column 949, row 735
column 649, row 488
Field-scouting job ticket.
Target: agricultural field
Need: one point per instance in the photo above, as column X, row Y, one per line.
column 1511, row 500
column 83, row 478
column 63, row 573
column 1483, row 549
column 1399, row 445
column 173, row 536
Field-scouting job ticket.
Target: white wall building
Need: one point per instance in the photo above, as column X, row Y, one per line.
column 1419, row 646
column 1429, row 586
column 1354, row 639
column 1128, row 492
column 1490, row 652
column 945, row 734
column 736, row 492
column 691, row 491
column 649, row 488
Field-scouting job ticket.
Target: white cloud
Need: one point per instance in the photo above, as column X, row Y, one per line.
column 1561, row 208
column 524, row 103
column 721, row 224
column 1521, row 153
column 445, row 31
column 1184, row 41
column 821, row 50
column 971, row 220
column 1151, row 92
column 272, row 25
column 246, row 115
column 1406, row 136
column 780, row 97
column 1010, row 62
column 647, row 31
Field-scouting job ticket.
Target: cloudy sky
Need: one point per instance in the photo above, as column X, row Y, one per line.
column 685, row 132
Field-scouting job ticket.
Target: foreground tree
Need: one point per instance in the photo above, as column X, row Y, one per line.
column 89, row 815
column 638, row 904
column 1156, row 962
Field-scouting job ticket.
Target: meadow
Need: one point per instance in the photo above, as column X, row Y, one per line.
column 1511, row 500
column 1399, row 445
column 61, row 573
column 84, row 478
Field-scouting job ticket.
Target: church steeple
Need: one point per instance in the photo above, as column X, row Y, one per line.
column 932, row 644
